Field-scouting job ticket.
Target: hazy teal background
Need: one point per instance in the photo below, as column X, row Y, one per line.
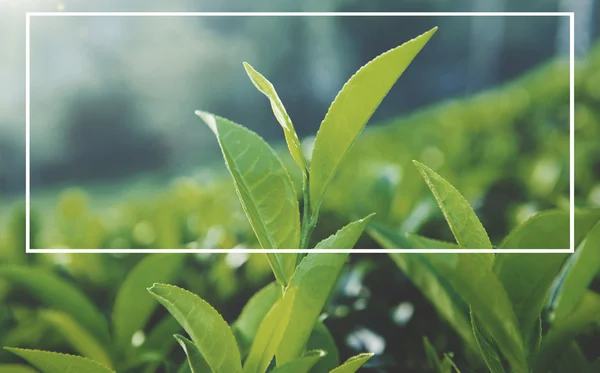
column 112, row 98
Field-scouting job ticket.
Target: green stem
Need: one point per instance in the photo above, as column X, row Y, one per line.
column 308, row 221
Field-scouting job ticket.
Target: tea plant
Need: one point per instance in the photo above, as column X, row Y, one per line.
column 262, row 182
column 498, row 302
column 283, row 328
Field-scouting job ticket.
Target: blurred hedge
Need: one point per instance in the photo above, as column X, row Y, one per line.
column 506, row 150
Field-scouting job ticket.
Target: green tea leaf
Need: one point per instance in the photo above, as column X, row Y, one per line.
column 81, row 340
column 314, row 280
column 15, row 368
column 432, row 357
column 461, row 218
column 346, row 237
column 195, row 359
column 264, row 189
column 472, row 276
column 350, row 111
column 421, row 242
column 60, row 295
column 253, row 313
column 133, row 307
column 52, row 362
column 321, row 339
column 302, row 364
column 270, row 333
column 585, row 220
column 527, row 279
column 487, row 347
column 204, row 325
column 430, row 282
column 563, row 333
column 546, row 230
column 353, row 364
column 440, row 366
column 291, row 138
column 582, row 268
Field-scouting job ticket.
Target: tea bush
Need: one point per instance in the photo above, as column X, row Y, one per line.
column 510, row 312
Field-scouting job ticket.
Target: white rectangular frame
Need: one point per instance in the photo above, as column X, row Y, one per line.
column 571, row 16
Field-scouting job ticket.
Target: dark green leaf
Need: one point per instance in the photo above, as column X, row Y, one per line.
column 564, row 332
column 195, row 360
column 133, row 307
column 430, row 282
column 582, row 268
column 60, row 295
column 487, row 347
column 321, row 339
column 546, row 230
column 81, row 340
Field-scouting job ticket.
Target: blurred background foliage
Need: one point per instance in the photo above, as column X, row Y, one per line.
column 119, row 161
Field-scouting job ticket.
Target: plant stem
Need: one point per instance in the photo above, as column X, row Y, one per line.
column 308, row 221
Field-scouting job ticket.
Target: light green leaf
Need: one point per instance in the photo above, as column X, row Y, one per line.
column 314, row 280
column 461, row 218
column 346, row 237
column 350, row 111
column 195, row 360
column 291, row 138
column 264, row 188
column 270, row 333
column 52, row 362
column 546, row 230
column 204, row 325
column 81, row 340
column 582, row 268
column 302, row 364
column 15, row 368
column 430, row 282
column 133, row 307
column 487, row 347
column 321, row 339
column 253, row 313
column 60, row 295
column 421, row 242
column 353, row 364
column 472, row 276
column 562, row 334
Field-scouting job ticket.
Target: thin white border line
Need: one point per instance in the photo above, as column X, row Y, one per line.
column 300, row 14
column 572, row 130
column 292, row 251
column 571, row 16
column 27, row 137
